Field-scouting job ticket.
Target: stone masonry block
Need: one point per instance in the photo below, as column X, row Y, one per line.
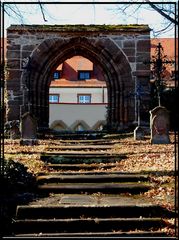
column 142, row 66
column 131, row 59
column 13, row 85
column 129, row 51
column 29, row 47
column 11, row 35
column 13, row 63
column 14, row 112
column 14, row 74
column 143, row 46
column 143, row 37
column 141, row 57
column 141, row 73
column 13, row 47
column 26, row 54
column 13, row 54
column 129, row 44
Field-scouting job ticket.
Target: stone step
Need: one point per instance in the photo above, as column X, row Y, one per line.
column 83, row 154
column 93, row 142
column 137, row 235
column 80, row 167
column 78, row 136
column 70, row 158
column 85, row 225
column 93, row 187
column 143, row 173
column 92, row 211
column 89, row 141
column 60, row 178
column 80, row 147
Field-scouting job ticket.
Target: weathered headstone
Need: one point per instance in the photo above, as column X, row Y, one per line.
column 159, row 125
column 14, row 132
column 28, row 129
column 138, row 133
column 12, row 129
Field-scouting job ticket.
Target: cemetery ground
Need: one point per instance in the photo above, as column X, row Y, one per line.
column 24, row 163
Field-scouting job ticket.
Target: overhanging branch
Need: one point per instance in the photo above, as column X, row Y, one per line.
column 162, row 12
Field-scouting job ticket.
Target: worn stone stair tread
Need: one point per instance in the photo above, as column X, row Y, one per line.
column 75, row 211
column 79, row 147
column 141, row 219
column 79, row 166
column 82, row 153
column 83, row 225
column 103, row 187
column 92, row 173
column 89, row 141
column 144, row 173
column 94, row 185
column 90, row 178
column 83, row 142
column 98, row 234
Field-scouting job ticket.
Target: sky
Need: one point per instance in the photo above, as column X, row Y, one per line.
column 85, row 14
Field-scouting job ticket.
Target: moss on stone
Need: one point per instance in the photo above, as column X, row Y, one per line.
column 81, row 27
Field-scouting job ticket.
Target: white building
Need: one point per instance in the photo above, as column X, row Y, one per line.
column 77, row 96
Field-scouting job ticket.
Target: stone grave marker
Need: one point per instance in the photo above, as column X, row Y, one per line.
column 14, row 132
column 12, row 129
column 28, row 129
column 138, row 133
column 159, row 125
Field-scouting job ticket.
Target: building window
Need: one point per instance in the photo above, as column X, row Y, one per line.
column 84, row 98
column 54, row 98
column 83, row 75
column 56, row 75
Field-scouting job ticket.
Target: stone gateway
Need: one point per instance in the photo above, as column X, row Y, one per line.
column 34, row 51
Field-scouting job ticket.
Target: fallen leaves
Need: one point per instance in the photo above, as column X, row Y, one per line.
column 141, row 156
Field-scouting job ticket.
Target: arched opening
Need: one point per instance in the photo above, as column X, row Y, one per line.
column 77, row 94
column 104, row 53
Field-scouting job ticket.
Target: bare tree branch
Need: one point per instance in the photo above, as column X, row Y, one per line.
column 166, row 29
column 41, row 8
column 154, row 6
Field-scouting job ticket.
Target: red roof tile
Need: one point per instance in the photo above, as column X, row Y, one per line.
column 81, row 83
column 79, row 63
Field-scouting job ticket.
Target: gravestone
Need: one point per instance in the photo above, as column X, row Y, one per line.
column 28, row 129
column 159, row 125
column 138, row 133
column 14, row 132
column 11, row 129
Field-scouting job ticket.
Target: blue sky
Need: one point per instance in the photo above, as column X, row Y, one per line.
column 85, row 14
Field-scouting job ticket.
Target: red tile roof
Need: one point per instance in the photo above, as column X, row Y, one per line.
column 78, row 83
column 80, row 63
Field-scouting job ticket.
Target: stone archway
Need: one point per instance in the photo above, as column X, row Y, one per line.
column 101, row 51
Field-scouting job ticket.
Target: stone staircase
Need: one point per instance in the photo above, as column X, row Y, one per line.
column 78, row 198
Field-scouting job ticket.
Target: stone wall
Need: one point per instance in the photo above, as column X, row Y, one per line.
column 118, row 50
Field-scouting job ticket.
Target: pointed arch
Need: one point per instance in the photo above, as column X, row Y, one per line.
column 103, row 52
column 59, row 125
column 77, row 123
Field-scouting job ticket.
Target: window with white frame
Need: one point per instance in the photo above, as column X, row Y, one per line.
column 54, row 98
column 84, row 98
